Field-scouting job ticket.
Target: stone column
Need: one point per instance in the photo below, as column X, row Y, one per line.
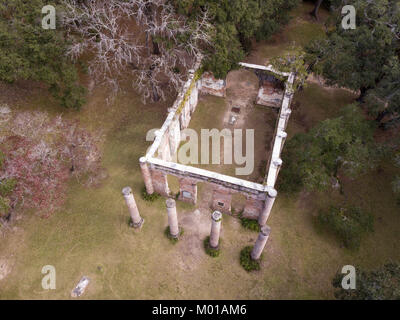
column 216, row 219
column 260, row 243
column 172, row 218
column 269, row 202
column 137, row 220
column 146, row 175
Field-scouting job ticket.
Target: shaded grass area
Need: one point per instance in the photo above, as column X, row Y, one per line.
column 316, row 103
column 247, row 262
column 212, row 252
column 299, row 31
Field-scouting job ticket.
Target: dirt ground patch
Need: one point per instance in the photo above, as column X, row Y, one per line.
column 6, row 266
column 214, row 112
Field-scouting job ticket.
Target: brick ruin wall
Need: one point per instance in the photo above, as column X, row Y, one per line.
column 158, row 161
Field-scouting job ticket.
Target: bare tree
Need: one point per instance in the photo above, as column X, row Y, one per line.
column 314, row 13
column 41, row 154
column 146, row 39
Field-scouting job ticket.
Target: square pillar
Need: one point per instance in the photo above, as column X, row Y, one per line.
column 253, row 207
column 160, row 182
column 221, row 200
column 188, row 190
column 212, row 86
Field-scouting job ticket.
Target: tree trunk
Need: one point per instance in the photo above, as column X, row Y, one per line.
column 314, row 13
column 390, row 124
column 335, row 174
column 156, row 47
column 156, row 96
column 381, row 115
column 363, row 93
column 148, row 11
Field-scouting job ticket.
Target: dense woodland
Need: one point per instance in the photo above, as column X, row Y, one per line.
column 152, row 44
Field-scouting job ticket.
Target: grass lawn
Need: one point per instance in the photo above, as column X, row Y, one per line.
column 299, row 31
column 90, row 236
column 214, row 112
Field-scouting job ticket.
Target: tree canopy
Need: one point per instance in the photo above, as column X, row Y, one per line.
column 29, row 52
column 365, row 59
column 294, row 60
column 380, row 284
column 237, row 22
column 311, row 160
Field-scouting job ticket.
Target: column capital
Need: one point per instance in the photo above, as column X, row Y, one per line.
column 277, row 162
column 142, row 160
column 126, row 191
column 282, row 134
column 265, row 230
column 272, row 193
column 170, row 203
column 216, row 216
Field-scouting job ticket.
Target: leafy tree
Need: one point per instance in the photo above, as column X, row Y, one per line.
column 229, row 51
column 365, row 59
column 348, row 223
column 237, row 22
column 311, row 160
column 293, row 61
column 29, row 52
column 380, row 284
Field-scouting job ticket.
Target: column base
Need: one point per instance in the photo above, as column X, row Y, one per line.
column 136, row 225
column 173, row 238
column 214, row 248
column 256, row 260
column 211, row 251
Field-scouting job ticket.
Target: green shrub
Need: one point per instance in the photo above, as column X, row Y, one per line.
column 4, row 206
column 172, row 239
column 349, row 224
column 7, row 186
column 250, row 224
column 149, row 197
column 213, row 252
column 247, row 262
column 2, row 159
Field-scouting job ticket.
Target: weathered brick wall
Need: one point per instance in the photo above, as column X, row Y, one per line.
column 269, row 96
column 188, row 190
column 159, row 160
column 253, row 208
column 212, row 86
column 221, row 200
column 160, row 182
